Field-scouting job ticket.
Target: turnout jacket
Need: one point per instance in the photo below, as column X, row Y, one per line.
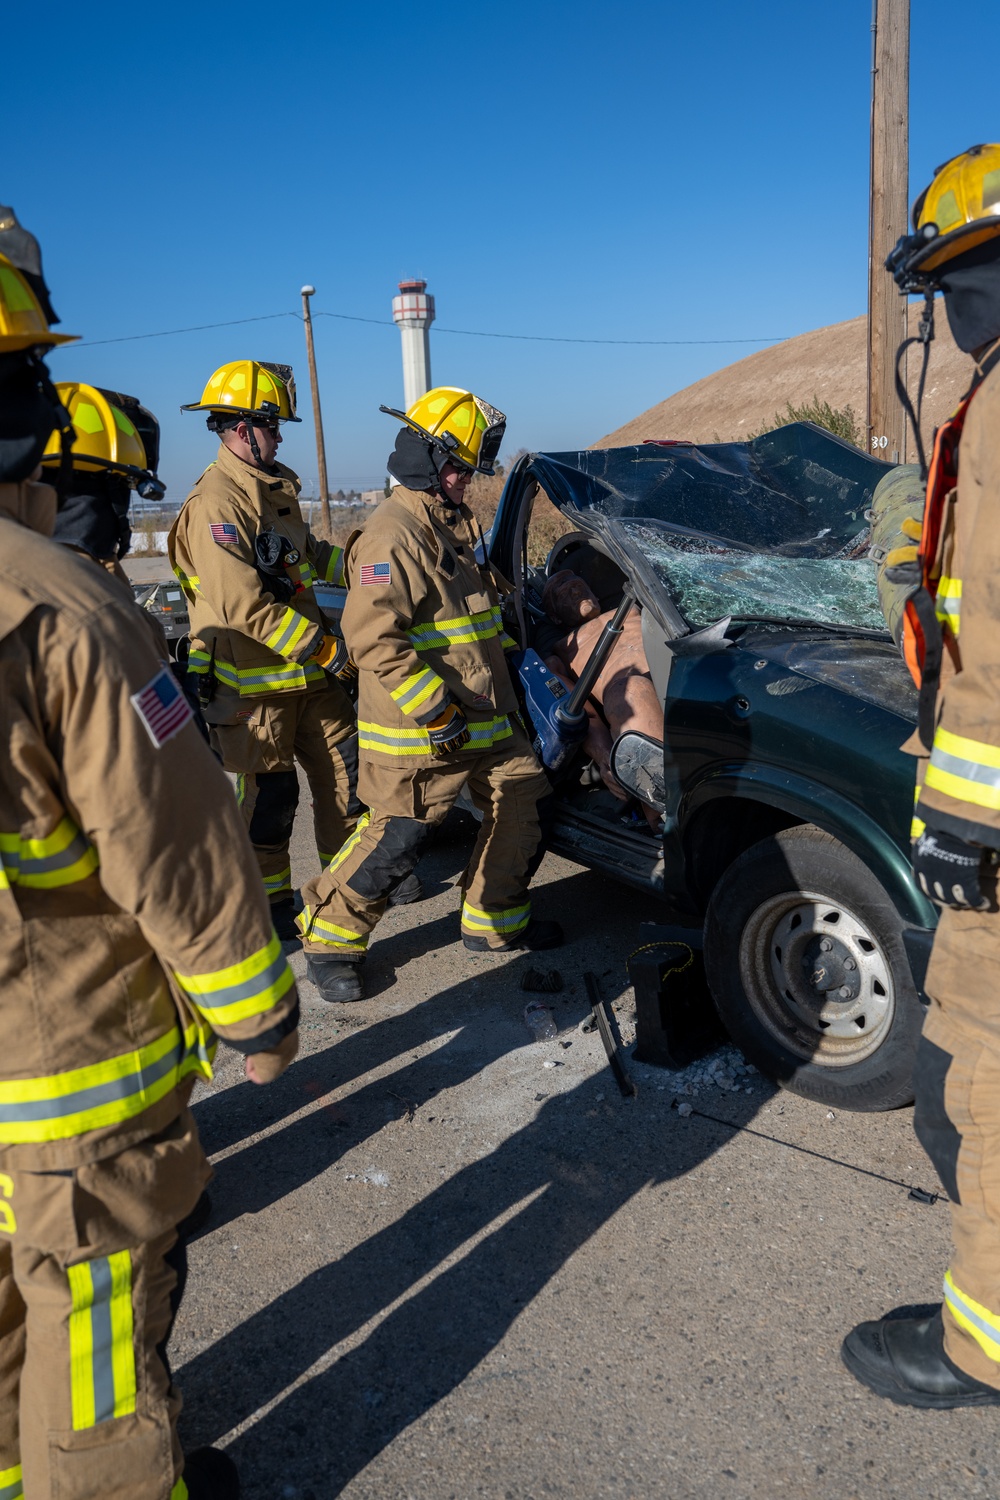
column 133, row 922
column 245, row 634
column 961, row 782
column 422, row 621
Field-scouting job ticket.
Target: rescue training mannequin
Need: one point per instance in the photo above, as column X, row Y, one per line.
column 951, row 641
column 134, row 927
column 436, row 706
column 623, row 688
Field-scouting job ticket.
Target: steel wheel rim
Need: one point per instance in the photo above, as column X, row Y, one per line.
column 818, row 978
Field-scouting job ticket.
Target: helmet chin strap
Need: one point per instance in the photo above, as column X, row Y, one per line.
column 252, row 440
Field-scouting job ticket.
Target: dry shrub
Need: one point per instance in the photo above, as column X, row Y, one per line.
column 343, row 520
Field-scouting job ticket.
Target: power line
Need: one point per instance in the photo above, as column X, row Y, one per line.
column 164, row 333
column 470, row 333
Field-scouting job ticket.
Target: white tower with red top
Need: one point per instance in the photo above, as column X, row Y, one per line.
column 413, row 311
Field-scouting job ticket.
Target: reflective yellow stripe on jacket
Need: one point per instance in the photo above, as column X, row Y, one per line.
column 11, row 1483
column 288, row 636
column 101, row 1344
column 968, row 770
column 484, row 735
column 416, row 690
column 62, row 858
column 250, row 682
column 482, row 626
column 105, row 1093
column 229, row 995
column 974, row 1318
column 948, row 604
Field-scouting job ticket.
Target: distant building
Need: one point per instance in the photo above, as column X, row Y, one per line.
column 372, row 497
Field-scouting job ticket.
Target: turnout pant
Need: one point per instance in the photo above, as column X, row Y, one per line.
column 317, row 729
column 91, row 1275
column 343, row 906
column 957, row 1120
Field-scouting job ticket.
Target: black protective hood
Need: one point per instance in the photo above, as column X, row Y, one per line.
column 93, row 516
column 416, row 463
column 29, row 410
column 971, row 287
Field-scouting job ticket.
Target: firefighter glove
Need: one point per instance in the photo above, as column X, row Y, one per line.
column 448, row 731
column 950, row 871
column 265, row 1067
column 333, row 656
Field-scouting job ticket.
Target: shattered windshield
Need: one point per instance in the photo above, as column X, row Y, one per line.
column 770, row 529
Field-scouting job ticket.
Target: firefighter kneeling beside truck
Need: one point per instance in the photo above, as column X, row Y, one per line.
column 436, row 708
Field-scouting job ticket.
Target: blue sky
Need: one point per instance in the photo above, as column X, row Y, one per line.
column 642, row 171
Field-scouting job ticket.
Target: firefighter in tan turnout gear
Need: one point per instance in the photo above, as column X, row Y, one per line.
column 265, row 663
column 133, row 927
column 436, row 707
column 952, row 645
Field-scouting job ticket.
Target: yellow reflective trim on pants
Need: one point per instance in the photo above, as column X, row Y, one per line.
column 318, row 930
column 61, row 1105
column 274, row 885
column 501, row 923
column 289, row 633
column 968, row 770
column 241, row 788
column 400, row 741
column 101, row 1342
column 249, row 988
column 349, row 846
column 180, row 1490
column 11, row 1483
column 415, row 690
column 976, row 1319
column 62, row 858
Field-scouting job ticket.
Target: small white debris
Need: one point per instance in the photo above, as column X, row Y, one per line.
column 684, row 1110
column 598, row 1098
column 548, row 1063
column 830, row 1115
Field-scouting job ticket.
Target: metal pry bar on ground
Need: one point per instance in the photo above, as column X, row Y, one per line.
column 622, row 1076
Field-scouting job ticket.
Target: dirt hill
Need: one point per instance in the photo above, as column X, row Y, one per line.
column 828, row 363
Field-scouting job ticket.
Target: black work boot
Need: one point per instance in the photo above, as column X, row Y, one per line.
column 211, row 1474
column 283, row 917
column 336, row 978
column 536, row 935
column 409, row 889
column 904, row 1359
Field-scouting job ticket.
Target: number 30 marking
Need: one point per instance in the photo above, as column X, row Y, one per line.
column 879, row 442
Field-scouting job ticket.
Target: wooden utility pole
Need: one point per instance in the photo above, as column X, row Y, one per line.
column 324, row 491
column 887, row 220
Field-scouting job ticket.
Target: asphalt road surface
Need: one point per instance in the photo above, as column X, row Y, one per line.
column 439, row 1268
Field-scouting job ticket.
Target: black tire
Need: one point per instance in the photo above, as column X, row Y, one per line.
column 805, row 960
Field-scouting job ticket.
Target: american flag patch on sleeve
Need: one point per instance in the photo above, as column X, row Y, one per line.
column 375, row 573
column 225, row 533
column 162, row 707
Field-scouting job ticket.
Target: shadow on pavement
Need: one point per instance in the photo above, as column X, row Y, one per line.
column 559, row 1180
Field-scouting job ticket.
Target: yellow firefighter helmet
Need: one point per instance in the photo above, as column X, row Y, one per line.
column 463, row 426
column 22, row 323
column 958, row 211
column 106, row 435
column 250, row 388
